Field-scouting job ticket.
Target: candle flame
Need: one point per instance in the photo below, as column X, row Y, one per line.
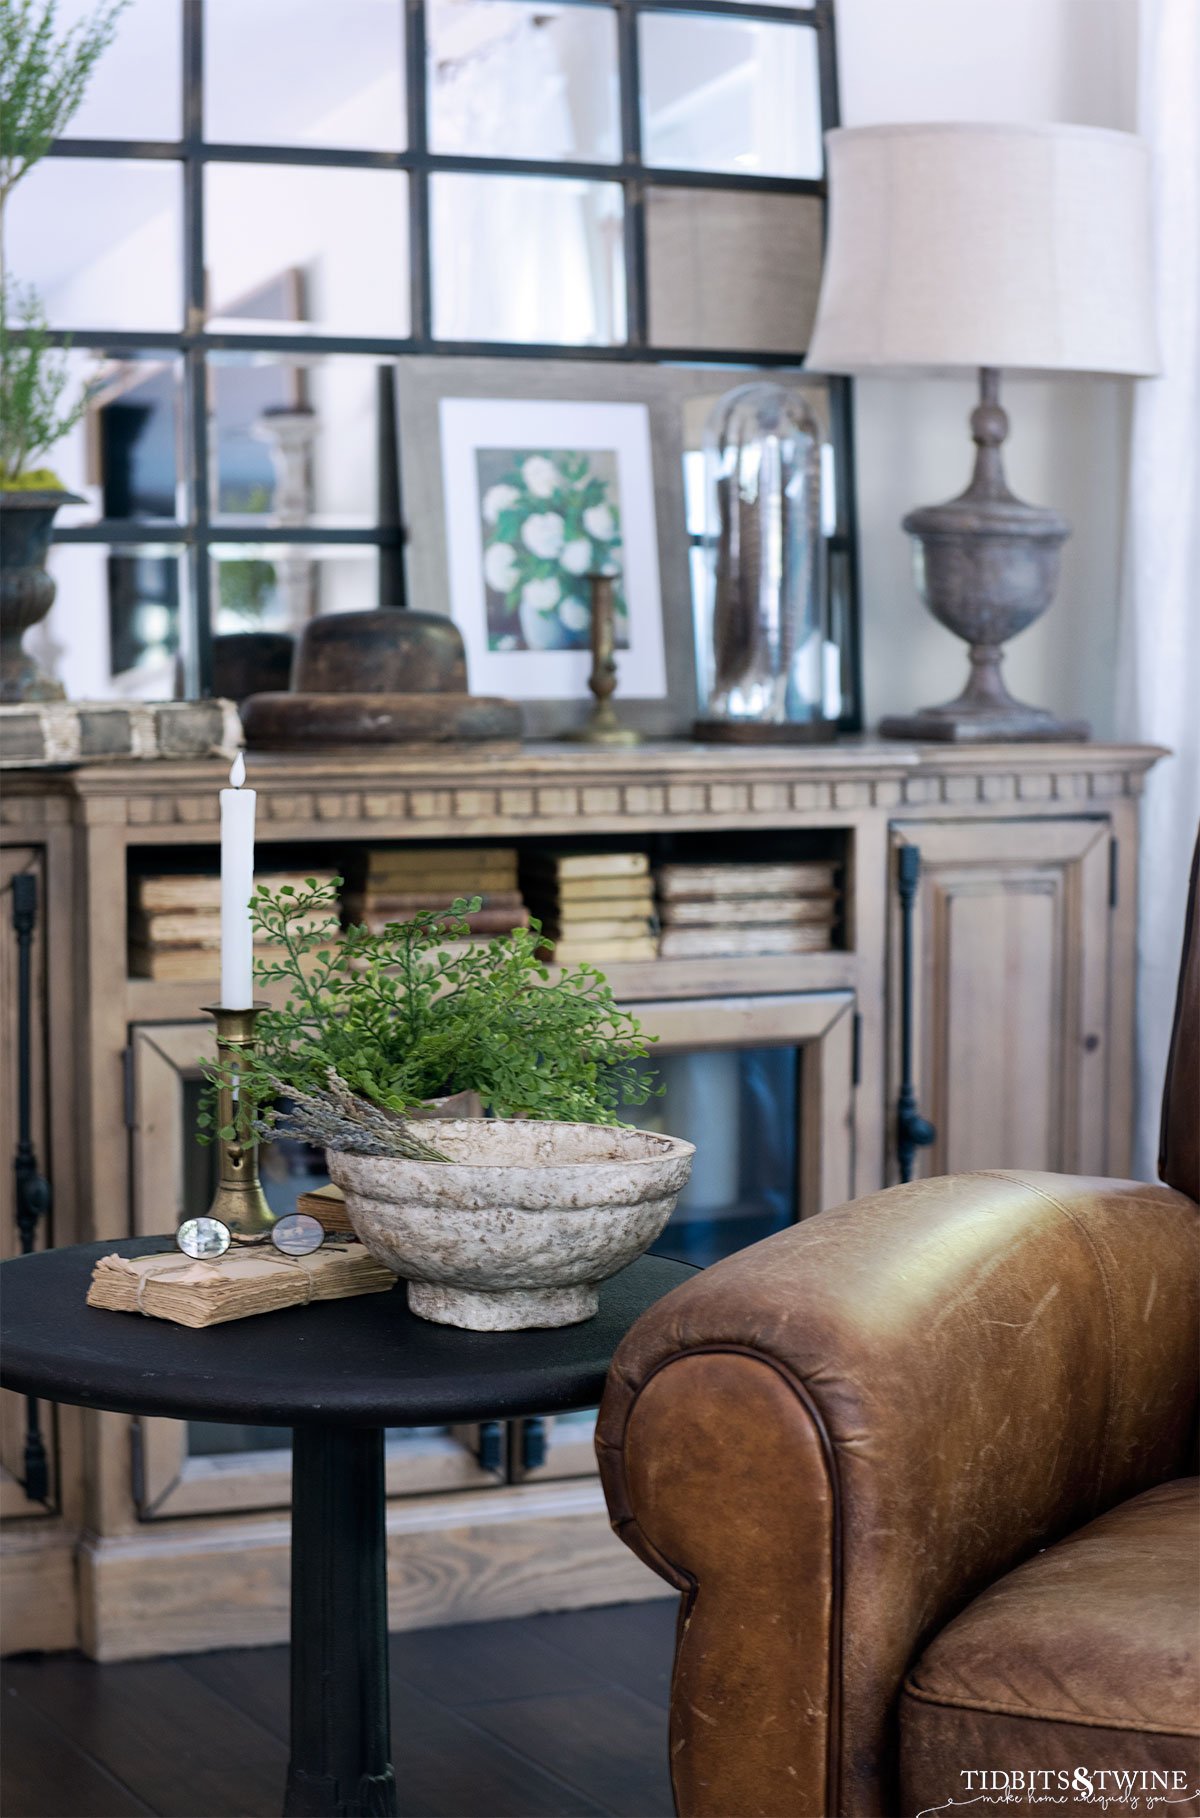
column 237, row 774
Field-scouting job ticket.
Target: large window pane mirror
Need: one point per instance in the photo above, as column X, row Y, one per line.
column 263, row 201
column 307, row 247
column 523, row 80
column 304, row 72
column 527, row 259
column 102, row 240
column 730, row 94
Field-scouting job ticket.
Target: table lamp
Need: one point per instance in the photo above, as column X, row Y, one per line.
column 986, row 247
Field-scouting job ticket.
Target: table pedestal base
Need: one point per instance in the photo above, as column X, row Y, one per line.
column 340, row 1748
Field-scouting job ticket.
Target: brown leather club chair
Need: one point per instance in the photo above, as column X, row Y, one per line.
column 919, row 1468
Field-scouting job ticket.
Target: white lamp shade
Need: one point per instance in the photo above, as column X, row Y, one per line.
column 1024, row 247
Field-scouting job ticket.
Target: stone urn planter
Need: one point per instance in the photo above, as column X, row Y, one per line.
column 26, row 590
column 521, row 1224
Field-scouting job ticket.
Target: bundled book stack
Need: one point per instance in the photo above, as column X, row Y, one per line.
column 175, row 924
column 394, row 884
column 238, row 1285
column 734, row 910
column 593, row 905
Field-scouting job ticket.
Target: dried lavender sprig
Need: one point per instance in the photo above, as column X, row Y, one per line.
column 340, row 1119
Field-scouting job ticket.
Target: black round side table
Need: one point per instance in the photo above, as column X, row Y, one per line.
column 338, row 1373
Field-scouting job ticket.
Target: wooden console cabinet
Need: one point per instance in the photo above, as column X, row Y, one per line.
column 1022, row 970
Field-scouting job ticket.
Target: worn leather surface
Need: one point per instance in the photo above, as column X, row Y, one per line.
column 957, row 1371
column 1179, row 1145
column 1088, row 1655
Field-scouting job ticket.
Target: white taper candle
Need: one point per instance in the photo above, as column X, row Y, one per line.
column 237, row 887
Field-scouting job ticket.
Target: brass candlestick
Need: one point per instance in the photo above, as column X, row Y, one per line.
column 239, row 1200
column 602, row 726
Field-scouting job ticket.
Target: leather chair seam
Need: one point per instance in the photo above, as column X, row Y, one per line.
column 994, row 1707
column 804, row 1396
column 1016, row 1179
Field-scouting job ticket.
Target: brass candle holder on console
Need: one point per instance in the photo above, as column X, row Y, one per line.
column 239, row 1201
column 602, row 726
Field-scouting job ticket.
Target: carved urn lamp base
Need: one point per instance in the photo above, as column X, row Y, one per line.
column 984, row 712
column 986, row 565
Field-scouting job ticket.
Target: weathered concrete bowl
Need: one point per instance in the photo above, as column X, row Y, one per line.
column 523, row 1222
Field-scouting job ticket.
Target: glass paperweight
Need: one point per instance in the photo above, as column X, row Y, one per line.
column 766, row 666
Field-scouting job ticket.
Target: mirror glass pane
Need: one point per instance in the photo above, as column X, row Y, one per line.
column 509, row 80
column 527, row 259
column 135, row 90
column 113, row 630
column 102, row 241
column 732, row 269
column 304, row 72
column 728, row 94
column 279, row 587
column 122, row 456
column 306, row 248
column 740, row 1104
column 294, row 440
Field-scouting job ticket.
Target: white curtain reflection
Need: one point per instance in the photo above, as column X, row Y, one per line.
column 515, row 258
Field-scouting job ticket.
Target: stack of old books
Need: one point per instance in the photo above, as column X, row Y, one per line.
column 393, row 884
column 736, row 910
column 238, row 1285
column 593, row 905
column 175, row 923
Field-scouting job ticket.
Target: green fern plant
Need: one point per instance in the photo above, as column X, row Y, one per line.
column 398, row 1017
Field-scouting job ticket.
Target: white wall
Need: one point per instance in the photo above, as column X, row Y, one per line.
column 1028, row 60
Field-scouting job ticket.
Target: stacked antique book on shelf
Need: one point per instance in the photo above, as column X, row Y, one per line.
column 723, row 910
column 175, row 923
column 394, row 883
column 593, row 905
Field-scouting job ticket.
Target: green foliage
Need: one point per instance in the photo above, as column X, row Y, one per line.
column 33, row 378
column 34, row 479
column 247, row 586
column 398, row 1018
column 43, row 77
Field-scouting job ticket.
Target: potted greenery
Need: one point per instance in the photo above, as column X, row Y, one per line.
column 499, row 1222
column 43, row 78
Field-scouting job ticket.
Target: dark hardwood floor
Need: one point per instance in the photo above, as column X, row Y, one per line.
column 545, row 1717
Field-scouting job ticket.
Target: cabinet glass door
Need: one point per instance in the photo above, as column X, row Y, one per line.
column 193, row 1467
column 740, row 1106
column 763, row 1087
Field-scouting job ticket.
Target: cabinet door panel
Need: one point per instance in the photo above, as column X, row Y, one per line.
column 13, row 1414
column 1011, row 937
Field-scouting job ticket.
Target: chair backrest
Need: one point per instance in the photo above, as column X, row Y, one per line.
column 1179, row 1139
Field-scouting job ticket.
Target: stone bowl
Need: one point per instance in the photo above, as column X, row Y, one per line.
column 521, row 1224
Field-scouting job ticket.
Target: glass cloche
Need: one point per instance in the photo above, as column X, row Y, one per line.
column 767, row 669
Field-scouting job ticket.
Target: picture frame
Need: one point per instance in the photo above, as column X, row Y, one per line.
column 633, row 422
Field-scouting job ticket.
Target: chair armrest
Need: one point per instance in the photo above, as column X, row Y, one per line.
column 832, row 1440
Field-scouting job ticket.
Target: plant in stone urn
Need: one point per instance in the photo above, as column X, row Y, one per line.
column 43, row 77
column 498, row 1222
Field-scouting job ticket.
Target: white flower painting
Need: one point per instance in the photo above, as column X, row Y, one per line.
column 551, row 518
column 539, row 496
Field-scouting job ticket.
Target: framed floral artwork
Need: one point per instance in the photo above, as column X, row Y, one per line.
column 539, row 495
column 551, row 518
column 523, row 477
